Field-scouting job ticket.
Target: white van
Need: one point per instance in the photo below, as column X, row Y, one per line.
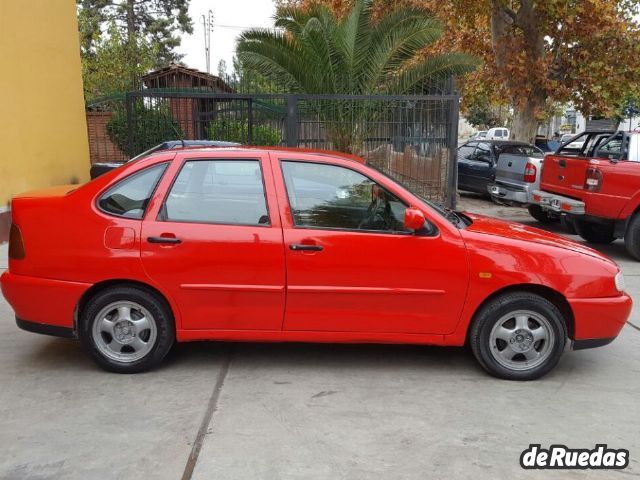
column 499, row 133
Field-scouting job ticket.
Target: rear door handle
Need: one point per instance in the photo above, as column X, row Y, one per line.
column 172, row 240
column 306, row 248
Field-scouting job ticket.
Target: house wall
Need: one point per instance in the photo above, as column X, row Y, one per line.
column 43, row 131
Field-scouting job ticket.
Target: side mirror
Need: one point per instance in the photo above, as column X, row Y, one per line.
column 413, row 219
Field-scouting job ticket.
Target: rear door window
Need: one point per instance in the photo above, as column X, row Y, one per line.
column 229, row 192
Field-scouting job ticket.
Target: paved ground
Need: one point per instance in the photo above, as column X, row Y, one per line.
column 251, row 411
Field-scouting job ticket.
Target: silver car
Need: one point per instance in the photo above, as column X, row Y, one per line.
column 518, row 174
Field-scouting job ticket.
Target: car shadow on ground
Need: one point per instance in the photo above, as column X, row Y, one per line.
column 432, row 362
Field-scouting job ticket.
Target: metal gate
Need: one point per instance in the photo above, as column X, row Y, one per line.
column 412, row 138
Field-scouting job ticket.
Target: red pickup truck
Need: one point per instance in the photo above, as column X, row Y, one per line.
column 594, row 181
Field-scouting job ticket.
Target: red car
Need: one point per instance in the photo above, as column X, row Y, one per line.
column 290, row 245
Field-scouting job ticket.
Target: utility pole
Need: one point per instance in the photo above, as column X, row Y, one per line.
column 207, row 24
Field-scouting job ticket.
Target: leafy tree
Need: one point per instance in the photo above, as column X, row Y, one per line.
column 482, row 115
column 537, row 53
column 157, row 23
column 317, row 52
column 110, row 70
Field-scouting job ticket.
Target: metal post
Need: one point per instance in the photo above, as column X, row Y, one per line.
column 454, row 111
column 292, row 121
column 250, row 122
column 129, row 99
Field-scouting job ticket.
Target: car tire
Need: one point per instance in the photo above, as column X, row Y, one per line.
column 632, row 237
column 127, row 329
column 541, row 215
column 518, row 336
column 568, row 225
column 592, row 232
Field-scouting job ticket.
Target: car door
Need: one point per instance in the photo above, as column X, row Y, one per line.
column 351, row 265
column 480, row 168
column 213, row 241
column 464, row 172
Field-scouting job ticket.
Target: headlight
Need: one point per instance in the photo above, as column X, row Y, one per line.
column 620, row 285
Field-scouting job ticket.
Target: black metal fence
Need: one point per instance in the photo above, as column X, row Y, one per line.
column 412, row 138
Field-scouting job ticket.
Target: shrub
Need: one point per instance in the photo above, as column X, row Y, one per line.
column 151, row 127
column 238, row 131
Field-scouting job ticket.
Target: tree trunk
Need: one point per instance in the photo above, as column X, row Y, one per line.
column 525, row 125
column 131, row 20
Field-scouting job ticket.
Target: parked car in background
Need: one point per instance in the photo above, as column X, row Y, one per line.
column 482, row 134
column 572, row 140
column 545, row 144
column 518, row 173
column 101, row 168
column 597, row 187
column 498, row 133
column 253, row 244
column 477, row 162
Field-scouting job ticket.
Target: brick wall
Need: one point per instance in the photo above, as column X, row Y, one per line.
column 101, row 147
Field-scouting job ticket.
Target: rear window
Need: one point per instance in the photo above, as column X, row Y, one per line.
column 524, row 150
column 129, row 197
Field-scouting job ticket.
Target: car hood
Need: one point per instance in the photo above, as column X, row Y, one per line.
column 518, row 231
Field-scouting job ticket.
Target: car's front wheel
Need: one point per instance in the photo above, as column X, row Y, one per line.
column 518, row 336
column 126, row 329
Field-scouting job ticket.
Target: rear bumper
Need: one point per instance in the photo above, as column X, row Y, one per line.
column 598, row 321
column 558, row 203
column 42, row 301
column 44, row 329
column 509, row 193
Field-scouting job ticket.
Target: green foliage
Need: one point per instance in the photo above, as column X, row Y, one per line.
column 314, row 51
column 151, row 127
column 238, row 131
column 115, row 65
column 157, row 23
column 482, row 116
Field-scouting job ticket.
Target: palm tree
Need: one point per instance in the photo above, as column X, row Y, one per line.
column 313, row 52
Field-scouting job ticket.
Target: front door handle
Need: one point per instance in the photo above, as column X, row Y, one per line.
column 172, row 240
column 306, row 248
column 563, row 163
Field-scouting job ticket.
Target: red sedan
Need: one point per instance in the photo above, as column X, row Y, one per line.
column 283, row 245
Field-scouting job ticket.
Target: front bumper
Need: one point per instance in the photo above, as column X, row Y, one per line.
column 598, row 321
column 558, row 203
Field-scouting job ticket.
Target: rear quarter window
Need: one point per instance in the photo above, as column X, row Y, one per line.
column 130, row 197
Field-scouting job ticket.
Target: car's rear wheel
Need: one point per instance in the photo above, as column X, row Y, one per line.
column 518, row 336
column 632, row 237
column 543, row 216
column 593, row 232
column 127, row 329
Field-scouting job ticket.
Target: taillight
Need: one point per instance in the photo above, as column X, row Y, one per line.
column 16, row 244
column 593, row 180
column 530, row 172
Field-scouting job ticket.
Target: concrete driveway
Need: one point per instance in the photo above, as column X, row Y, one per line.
column 274, row 411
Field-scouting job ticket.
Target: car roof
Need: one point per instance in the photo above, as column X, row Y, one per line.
column 262, row 149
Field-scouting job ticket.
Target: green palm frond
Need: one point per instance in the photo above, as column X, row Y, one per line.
column 317, row 53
